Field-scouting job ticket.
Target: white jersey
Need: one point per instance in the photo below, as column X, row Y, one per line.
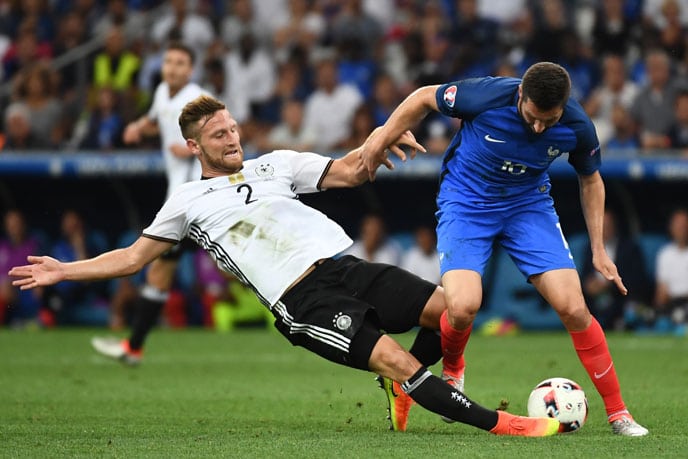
column 252, row 222
column 672, row 269
column 165, row 111
column 423, row 265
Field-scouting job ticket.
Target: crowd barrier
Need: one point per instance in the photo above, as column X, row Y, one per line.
column 635, row 167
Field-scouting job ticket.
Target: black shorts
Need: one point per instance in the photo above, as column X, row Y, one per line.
column 340, row 310
column 176, row 251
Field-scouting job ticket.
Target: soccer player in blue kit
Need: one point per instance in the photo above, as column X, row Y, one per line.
column 494, row 186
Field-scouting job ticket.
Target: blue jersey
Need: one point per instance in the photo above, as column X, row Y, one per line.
column 495, row 156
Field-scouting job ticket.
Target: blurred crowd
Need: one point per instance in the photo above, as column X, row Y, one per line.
column 656, row 275
column 320, row 74
column 202, row 294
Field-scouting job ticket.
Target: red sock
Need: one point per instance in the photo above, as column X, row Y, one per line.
column 591, row 346
column 453, row 344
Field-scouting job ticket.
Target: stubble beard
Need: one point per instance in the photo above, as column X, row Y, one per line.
column 220, row 166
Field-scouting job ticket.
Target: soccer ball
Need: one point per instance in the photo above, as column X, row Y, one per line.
column 559, row 398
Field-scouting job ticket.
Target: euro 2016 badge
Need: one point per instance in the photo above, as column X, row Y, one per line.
column 450, row 96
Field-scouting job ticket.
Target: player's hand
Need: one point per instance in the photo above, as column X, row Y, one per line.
column 132, row 133
column 372, row 160
column 374, row 155
column 40, row 272
column 607, row 268
column 409, row 140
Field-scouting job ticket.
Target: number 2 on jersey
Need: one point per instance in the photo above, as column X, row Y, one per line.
column 249, row 192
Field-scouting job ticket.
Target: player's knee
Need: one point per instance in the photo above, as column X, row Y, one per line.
column 574, row 315
column 461, row 309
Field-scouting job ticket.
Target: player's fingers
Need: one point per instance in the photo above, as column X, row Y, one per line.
column 371, row 173
column 620, row 285
column 371, row 166
column 612, row 274
column 22, row 282
column 20, row 271
column 413, row 148
column 398, row 152
column 416, row 146
column 407, row 138
column 29, row 286
column 388, row 163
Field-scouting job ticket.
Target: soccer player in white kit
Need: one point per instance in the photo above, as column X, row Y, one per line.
column 171, row 95
column 248, row 217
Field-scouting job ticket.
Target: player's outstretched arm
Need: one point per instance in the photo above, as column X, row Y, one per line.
column 136, row 130
column 43, row 271
column 180, row 150
column 406, row 116
column 592, row 196
column 350, row 171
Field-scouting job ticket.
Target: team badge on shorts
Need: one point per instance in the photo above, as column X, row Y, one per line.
column 450, row 96
column 342, row 321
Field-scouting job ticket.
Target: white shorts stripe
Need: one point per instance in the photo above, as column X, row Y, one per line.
column 318, row 333
column 310, row 333
column 323, row 334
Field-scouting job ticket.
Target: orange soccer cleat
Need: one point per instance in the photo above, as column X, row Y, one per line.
column 399, row 403
column 522, row 426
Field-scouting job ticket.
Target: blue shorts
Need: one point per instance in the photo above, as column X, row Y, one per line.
column 530, row 233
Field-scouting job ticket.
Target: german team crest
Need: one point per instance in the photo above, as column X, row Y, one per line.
column 342, row 321
column 265, row 170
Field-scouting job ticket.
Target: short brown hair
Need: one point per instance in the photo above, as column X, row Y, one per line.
column 547, row 84
column 202, row 107
column 179, row 46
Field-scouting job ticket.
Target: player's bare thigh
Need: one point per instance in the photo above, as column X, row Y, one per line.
column 463, row 289
column 561, row 288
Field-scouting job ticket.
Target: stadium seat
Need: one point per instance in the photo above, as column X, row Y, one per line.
column 511, row 297
column 579, row 245
column 186, row 272
column 406, row 240
column 650, row 244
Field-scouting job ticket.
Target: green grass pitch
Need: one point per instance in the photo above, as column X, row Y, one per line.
column 249, row 393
